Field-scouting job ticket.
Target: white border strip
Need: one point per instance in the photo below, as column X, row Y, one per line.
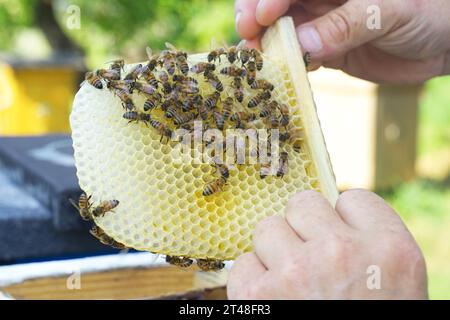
column 18, row 273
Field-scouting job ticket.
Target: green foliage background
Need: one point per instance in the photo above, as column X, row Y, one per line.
column 124, row 28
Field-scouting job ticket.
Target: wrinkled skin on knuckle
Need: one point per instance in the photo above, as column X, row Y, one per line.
column 339, row 26
column 293, row 276
column 264, row 228
column 339, row 251
column 401, row 252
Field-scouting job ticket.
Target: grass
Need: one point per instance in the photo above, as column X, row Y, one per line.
column 424, row 204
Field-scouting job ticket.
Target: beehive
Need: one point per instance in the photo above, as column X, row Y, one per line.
column 162, row 208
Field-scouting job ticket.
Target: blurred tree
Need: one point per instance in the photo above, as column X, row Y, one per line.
column 44, row 17
column 122, row 27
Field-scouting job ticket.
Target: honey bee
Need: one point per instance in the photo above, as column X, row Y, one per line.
column 187, row 105
column 238, row 89
column 186, row 85
column 119, row 85
column 214, row 80
column 216, row 53
column 210, row 264
column 273, row 121
column 258, row 58
column 150, row 78
column 134, row 116
column 262, row 84
column 203, row 111
column 284, row 110
column 307, row 59
column 223, row 171
column 284, row 136
column 185, row 79
column 251, row 72
column 212, row 100
column 266, row 111
column 180, row 119
column 295, row 139
column 283, row 166
column 152, row 101
column 180, row 59
column 108, row 74
column 170, row 112
column 127, row 102
column 117, row 65
column 219, row 119
column 181, row 262
column 233, row 71
column 169, row 61
column 83, row 206
column 273, row 105
column 232, row 54
column 244, row 55
column 192, row 102
column 201, row 67
column 101, row 235
column 241, row 118
column 227, row 108
column 93, row 80
column 134, row 73
column 260, row 97
column 104, row 207
column 152, row 60
column 164, row 79
column 265, row 170
column 144, row 88
column 162, row 128
column 214, row 186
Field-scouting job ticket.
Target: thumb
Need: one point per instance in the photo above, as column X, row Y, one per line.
column 342, row 29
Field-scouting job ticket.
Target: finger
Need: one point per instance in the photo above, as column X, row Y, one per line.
column 268, row 11
column 254, row 43
column 370, row 63
column 312, row 216
column 343, row 29
column 247, row 269
column 365, row 210
column 246, row 25
column 274, row 241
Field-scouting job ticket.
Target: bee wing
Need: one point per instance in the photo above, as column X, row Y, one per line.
column 170, row 46
column 136, row 69
column 149, row 52
column 224, row 44
column 242, row 44
column 213, row 44
column 74, row 204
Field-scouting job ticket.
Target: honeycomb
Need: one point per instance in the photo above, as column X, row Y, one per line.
column 162, row 209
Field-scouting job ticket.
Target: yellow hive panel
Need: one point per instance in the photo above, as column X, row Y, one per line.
column 162, row 209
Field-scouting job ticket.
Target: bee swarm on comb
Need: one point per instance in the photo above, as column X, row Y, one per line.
column 204, row 211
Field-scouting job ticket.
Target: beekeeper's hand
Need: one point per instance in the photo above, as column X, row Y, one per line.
column 401, row 41
column 359, row 250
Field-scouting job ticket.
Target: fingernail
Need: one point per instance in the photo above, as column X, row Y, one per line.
column 309, row 39
column 236, row 20
column 260, row 6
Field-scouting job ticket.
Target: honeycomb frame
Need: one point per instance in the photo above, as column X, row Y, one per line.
column 161, row 206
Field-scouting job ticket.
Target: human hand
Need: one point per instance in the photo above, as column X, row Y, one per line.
column 411, row 46
column 317, row 252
